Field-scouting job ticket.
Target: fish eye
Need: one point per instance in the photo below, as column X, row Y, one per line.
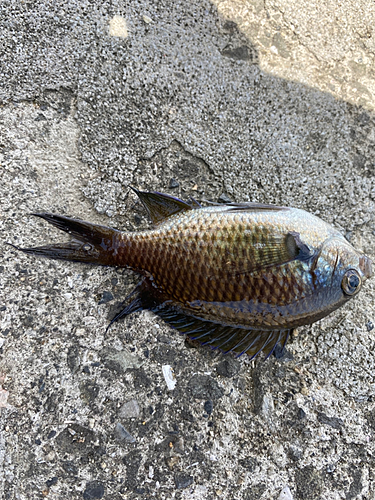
column 351, row 282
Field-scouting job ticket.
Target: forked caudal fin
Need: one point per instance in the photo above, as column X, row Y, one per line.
column 91, row 243
column 97, row 244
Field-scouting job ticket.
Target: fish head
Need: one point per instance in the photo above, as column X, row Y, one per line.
column 341, row 270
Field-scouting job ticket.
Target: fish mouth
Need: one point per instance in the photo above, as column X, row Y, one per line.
column 365, row 265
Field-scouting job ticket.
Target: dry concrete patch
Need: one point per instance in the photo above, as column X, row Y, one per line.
column 259, row 101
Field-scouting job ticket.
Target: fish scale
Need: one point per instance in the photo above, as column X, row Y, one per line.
column 201, row 284
column 237, row 277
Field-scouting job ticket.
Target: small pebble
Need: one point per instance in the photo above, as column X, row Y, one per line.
column 147, row 19
column 106, row 297
column 183, row 481
column 51, row 482
column 118, row 27
column 94, row 490
column 169, row 377
column 208, row 407
column 150, row 472
column 330, row 468
column 228, row 367
column 172, row 461
column 301, row 414
column 123, row 435
column 130, row 409
column 285, row 494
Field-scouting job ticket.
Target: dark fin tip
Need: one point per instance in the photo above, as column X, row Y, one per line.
column 140, row 301
column 136, row 191
column 14, row 246
column 278, row 351
column 134, row 306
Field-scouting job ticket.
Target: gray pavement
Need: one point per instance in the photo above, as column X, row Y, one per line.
column 267, row 101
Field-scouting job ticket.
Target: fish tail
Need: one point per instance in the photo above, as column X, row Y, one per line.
column 90, row 243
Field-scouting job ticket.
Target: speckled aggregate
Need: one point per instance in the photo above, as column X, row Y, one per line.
column 256, row 102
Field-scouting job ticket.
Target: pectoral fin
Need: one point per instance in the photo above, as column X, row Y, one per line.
column 277, row 250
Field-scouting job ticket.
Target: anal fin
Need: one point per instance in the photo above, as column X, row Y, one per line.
column 225, row 337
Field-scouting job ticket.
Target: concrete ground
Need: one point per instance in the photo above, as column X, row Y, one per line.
column 264, row 100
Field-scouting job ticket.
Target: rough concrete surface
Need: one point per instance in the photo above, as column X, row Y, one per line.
column 264, row 100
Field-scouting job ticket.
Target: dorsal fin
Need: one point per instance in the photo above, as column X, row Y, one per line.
column 160, row 206
column 253, row 207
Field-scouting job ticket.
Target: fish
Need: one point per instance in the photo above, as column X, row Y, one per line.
column 238, row 277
